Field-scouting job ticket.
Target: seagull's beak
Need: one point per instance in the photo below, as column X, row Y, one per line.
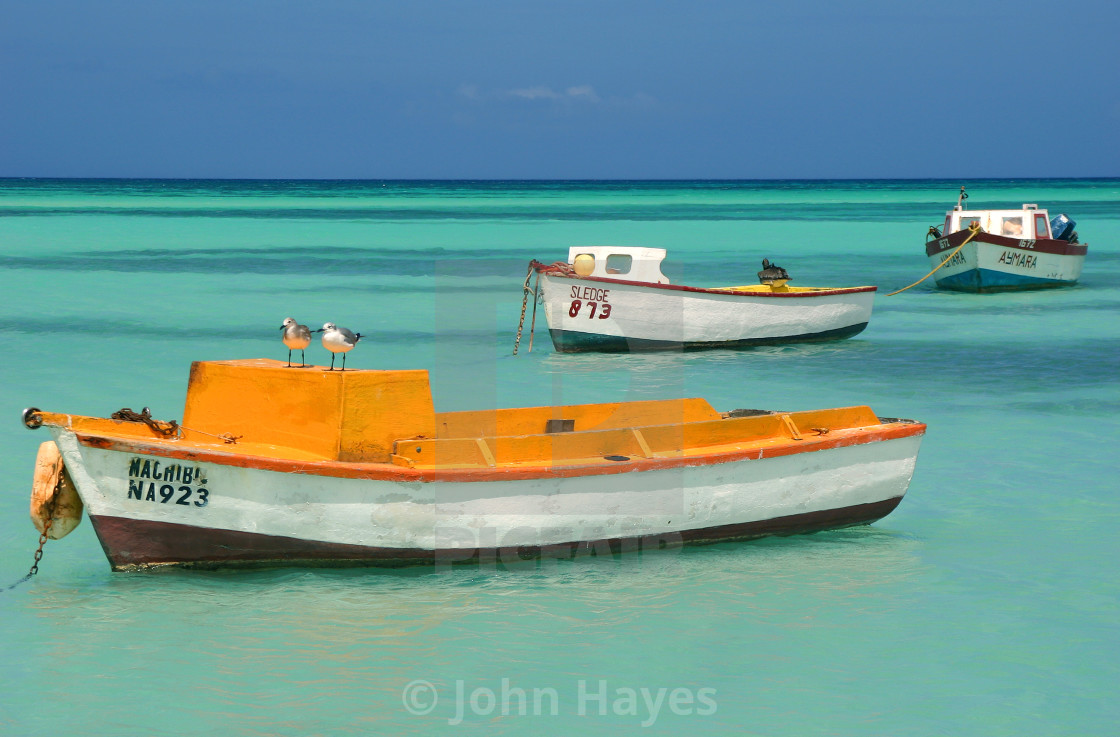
column 281, row 327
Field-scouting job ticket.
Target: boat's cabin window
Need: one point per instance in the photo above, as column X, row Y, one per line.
column 1012, row 226
column 966, row 222
column 1041, row 227
column 619, row 263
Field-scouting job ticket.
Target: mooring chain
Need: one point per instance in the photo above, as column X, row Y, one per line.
column 39, row 551
column 169, row 427
column 524, row 305
column 536, row 299
column 52, row 503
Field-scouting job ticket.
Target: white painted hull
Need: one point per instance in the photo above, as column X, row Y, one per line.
column 599, row 314
column 304, row 517
column 980, row 266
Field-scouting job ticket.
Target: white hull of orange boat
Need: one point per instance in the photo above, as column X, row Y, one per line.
column 149, row 509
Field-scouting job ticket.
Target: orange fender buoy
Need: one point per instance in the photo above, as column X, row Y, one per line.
column 51, row 475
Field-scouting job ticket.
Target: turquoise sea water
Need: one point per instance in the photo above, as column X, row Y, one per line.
column 986, row 604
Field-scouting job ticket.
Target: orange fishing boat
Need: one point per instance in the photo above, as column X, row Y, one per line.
column 286, row 466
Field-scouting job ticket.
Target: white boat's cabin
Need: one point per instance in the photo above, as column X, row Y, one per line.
column 629, row 263
column 1030, row 223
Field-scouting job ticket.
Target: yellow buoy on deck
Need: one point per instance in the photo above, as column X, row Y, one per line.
column 52, row 486
column 584, row 264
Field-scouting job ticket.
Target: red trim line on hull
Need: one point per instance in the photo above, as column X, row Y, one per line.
column 135, row 544
column 822, row 292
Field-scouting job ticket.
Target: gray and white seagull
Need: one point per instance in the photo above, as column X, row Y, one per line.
column 296, row 337
column 338, row 340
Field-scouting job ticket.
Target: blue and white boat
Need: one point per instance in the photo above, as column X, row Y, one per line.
column 1004, row 250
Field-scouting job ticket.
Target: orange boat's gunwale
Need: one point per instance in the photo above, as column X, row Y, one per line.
column 390, row 472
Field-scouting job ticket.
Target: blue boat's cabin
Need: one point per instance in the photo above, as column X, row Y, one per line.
column 627, row 263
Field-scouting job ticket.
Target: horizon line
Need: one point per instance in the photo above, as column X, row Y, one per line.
column 550, row 180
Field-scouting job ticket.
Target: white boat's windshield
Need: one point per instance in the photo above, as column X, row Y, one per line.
column 1026, row 223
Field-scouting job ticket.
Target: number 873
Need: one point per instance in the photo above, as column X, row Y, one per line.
column 577, row 305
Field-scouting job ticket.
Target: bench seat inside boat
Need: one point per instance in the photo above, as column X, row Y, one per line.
column 612, row 444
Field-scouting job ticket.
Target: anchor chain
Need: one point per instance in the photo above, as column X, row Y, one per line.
column 167, row 428
column 524, row 305
column 44, row 535
column 533, row 322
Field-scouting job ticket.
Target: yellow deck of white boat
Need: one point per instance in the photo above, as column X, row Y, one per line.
column 784, row 289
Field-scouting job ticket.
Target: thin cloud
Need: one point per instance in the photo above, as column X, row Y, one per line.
column 535, row 93
column 542, row 99
column 576, row 93
column 583, row 92
column 468, row 91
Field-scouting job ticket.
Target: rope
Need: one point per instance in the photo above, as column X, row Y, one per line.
column 558, row 268
column 226, row 437
column 974, row 228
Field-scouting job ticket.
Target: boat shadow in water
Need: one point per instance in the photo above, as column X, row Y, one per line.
column 863, row 555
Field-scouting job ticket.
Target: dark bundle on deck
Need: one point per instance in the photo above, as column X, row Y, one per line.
column 771, row 272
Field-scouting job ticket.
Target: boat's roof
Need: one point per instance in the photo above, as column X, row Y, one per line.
column 1027, row 207
column 1026, row 222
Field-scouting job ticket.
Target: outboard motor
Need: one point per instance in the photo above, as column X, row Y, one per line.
column 772, row 274
column 1062, row 228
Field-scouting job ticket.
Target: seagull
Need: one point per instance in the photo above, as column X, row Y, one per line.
column 296, row 337
column 338, row 340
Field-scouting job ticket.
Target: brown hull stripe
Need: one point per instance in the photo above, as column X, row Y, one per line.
column 131, row 544
column 1043, row 245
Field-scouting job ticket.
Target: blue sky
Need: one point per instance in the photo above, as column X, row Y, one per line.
column 606, row 89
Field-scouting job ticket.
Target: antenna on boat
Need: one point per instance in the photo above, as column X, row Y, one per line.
column 961, row 199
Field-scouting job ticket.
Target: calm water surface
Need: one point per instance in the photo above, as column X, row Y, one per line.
column 987, row 604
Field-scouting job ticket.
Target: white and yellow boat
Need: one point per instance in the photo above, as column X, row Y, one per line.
column 616, row 299
column 282, row 466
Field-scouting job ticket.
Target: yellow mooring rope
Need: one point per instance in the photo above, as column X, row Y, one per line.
column 974, row 228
